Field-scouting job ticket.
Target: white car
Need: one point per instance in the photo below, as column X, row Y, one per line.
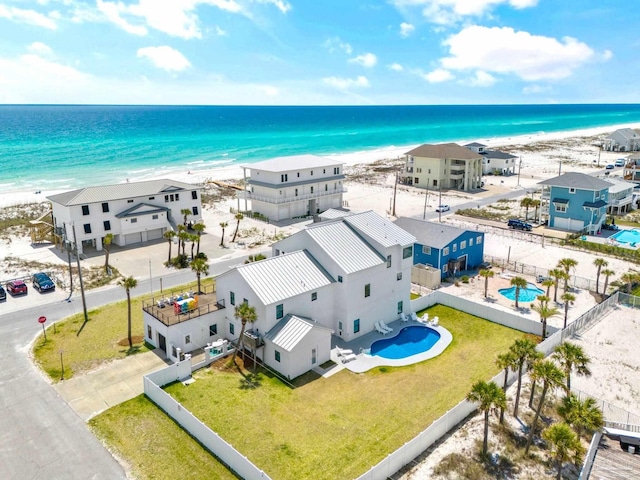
column 443, row 208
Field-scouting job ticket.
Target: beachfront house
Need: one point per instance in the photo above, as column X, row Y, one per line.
column 621, row 196
column 445, row 165
column 623, row 140
column 631, row 171
column 291, row 187
column 447, row 248
column 133, row 213
column 494, row 162
column 575, row 202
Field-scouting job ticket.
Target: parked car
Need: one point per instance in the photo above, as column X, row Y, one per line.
column 17, row 287
column 42, row 282
column 610, row 226
column 620, row 162
column 443, row 208
column 542, row 278
column 3, row 294
column 519, row 224
column 610, row 166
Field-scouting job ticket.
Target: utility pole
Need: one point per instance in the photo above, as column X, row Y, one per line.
column 519, row 167
column 84, row 302
column 66, row 239
column 440, row 200
column 395, row 189
column 560, row 168
column 426, row 199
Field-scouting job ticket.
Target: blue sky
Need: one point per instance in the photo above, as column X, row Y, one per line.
column 319, row 52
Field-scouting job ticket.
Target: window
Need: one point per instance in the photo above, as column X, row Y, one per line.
column 213, row 329
column 85, row 209
column 339, row 278
column 172, row 197
column 194, row 210
column 356, row 325
column 314, row 356
column 429, row 171
column 298, row 174
column 367, row 290
column 134, row 220
column 232, row 298
column 194, row 195
column 187, row 339
column 311, row 189
column 284, row 177
column 388, row 261
column 130, row 201
column 326, row 187
column 418, row 170
column 312, row 173
column 336, row 171
column 445, row 251
column 232, row 329
column 400, row 307
column 166, row 198
column 407, row 252
column 154, row 217
column 435, row 183
column 426, row 250
column 245, row 301
column 105, row 207
column 340, row 327
column 152, row 198
column 149, row 332
column 455, row 247
column 314, row 296
column 479, row 240
column 445, row 268
column 471, row 242
column 572, row 190
column 416, row 180
column 296, row 192
column 463, row 244
column 107, row 225
column 87, row 228
column 561, row 207
column 279, row 311
column 277, row 355
column 177, row 197
column 277, row 252
column 399, row 276
column 174, row 352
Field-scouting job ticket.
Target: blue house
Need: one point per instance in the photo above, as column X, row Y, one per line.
column 450, row 249
column 575, row 202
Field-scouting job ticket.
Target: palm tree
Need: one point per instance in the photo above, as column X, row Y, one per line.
column 567, row 298
column 599, row 262
column 223, row 225
column 245, row 314
column 128, row 283
column 571, row 356
column 183, row 236
column 536, row 205
column 487, row 274
column 186, row 212
column 106, row 241
column 169, row 235
column 549, row 282
column 522, row 349
column 488, row 395
column 566, row 264
column 564, row 445
column 239, row 217
column 200, row 267
column 199, row 228
column 629, row 278
column 506, row 361
column 519, row 283
column 584, row 416
column 557, row 275
column 545, row 311
column 533, row 358
column 526, row 202
column 193, row 238
column 551, row 377
column 607, row 273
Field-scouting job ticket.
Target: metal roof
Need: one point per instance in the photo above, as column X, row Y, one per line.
column 444, row 150
column 333, row 213
column 431, row 234
column 379, row 229
column 596, row 204
column 106, row 193
column 296, row 162
column 581, row 181
column 289, row 331
column 342, row 244
column 619, row 185
column 497, row 154
column 560, row 201
column 284, row 276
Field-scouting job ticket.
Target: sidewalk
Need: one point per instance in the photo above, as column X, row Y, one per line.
column 118, row 381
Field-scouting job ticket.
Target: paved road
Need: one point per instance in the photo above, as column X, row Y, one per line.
column 41, row 437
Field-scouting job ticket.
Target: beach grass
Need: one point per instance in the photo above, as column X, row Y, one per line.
column 86, row 345
column 326, row 428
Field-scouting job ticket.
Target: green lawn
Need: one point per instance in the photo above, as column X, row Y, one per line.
column 326, row 428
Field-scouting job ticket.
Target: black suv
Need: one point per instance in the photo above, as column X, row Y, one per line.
column 519, row 224
column 42, row 282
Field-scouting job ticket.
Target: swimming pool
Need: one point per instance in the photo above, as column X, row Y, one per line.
column 627, row 236
column 409, row 341
column 528, row 294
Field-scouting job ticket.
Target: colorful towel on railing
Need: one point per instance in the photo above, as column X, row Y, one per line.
column 186, row 305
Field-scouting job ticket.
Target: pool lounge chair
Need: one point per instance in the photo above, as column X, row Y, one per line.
column 380, row 328
column 387, row 327
column 348, row 357
column 404, row 317
column 414, row 317
column 435, row 322
column 343, row 351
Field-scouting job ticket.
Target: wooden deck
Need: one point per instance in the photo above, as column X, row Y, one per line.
column 164, row 309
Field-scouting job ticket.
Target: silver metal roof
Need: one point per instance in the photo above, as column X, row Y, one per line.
column 289, row 331
column 333, row 213
column 106, row 193
column 296, row 162
column 379, row 229
column 431, row 234
column 284, row 276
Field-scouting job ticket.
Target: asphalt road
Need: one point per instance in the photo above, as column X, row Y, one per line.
column 41, row 437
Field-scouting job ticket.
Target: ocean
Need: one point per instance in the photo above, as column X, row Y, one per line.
column 61, row 147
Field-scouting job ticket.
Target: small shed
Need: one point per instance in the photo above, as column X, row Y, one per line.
column 425, row 275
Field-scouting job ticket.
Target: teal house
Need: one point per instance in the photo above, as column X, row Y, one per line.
column 575, row 202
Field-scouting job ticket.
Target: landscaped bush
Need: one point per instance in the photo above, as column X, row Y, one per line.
column 465, row 279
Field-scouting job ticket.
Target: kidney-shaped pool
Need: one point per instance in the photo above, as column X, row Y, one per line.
column 409, row 341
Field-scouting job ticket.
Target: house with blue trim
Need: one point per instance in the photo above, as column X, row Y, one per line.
column 575, row 202
column 447, row 248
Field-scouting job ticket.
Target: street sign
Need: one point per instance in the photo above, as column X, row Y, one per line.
column 42, row 319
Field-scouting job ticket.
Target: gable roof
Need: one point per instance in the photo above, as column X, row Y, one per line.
column 333, row 213
column 379, row 229
column 141, row 209
column 475, row 144
column 431, row 234
column 295, row 162
column 619, row 185
column 577, row 180
column 497, row 154
column 106, row 193
column 444, row 150
column 626, row 133
column 284, row 276
column 288, row 332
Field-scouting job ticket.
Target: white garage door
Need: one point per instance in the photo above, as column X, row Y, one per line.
column 154, row 234
column 570, row 224
column 133, row 238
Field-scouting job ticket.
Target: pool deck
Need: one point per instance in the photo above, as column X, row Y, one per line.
column 364, row 361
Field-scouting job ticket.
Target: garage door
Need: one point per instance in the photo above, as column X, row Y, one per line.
column 154, row 234
column 283, row 212
column 133, row 238
column 570, row 224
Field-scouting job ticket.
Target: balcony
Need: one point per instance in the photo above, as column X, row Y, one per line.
column 179, row 308
column 246, row 195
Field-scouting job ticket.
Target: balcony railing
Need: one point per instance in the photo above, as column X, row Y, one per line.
column 164, row 308
column 289, row 199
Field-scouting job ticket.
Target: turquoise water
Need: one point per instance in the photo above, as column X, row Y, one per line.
column 59, row 147
column 409, row 341
column 627, row 236
column 528, row 294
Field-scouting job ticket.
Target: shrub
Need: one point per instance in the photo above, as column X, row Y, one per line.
column 465, row 279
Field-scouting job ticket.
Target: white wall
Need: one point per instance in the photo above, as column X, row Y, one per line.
column 297, row 362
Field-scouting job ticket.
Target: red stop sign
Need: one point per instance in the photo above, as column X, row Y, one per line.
column 42, row 319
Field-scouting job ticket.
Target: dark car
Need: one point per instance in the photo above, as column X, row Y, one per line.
column 610, row 166
column 42, row 282
column 519, row 225
column 3, row 294
column 17, row 287
column 610, row 226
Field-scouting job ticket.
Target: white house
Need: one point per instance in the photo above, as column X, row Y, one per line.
column 494, row 161
column 289, row 187
column 623, row 140
column 133, row 212
column 621, row 196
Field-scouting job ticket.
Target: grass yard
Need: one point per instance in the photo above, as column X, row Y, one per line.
column 326, row 428
column 103, row 338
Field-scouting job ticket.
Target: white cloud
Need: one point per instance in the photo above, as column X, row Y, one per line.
column 607, row 55
column 39, row 48
column 406, row 29
column 534, row 89
column 219, row 31
column 334, row 44
column 112, row 13
column 444, row 12
column 165, row 57
column 345, row 83
column 482, row 79
column 438, row 75
column 281, row 5
column 505, row 51
column 30, row 17
column 367, row 60
column 270, row 90
column 396, row 67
